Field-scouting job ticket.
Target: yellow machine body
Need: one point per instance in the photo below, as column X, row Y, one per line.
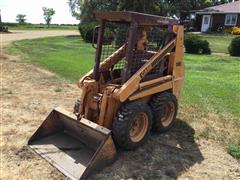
column 81, row 143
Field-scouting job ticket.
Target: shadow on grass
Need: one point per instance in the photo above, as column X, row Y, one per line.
column 163, row 156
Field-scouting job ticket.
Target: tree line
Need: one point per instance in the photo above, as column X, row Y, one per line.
column 83, row 9
column 47, row 15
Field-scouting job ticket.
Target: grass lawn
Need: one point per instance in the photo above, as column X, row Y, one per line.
column 67, row 56
column 15, row 26
column 218, row 42
column 212, row 82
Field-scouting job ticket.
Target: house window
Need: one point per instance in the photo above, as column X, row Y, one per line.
column 231, row 19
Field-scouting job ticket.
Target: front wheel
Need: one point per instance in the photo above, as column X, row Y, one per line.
column 132, row 125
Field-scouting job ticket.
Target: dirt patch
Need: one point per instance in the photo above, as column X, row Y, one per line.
column 174, row 155
column 3, row 57
column 220, row 54
column 28, row 94
column 25, row 153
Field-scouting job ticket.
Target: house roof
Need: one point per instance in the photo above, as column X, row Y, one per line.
column 232, row 7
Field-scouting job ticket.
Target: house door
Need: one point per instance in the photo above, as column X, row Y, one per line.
column 205, row 23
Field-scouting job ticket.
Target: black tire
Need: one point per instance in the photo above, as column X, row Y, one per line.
column 124, row 124
column 160, row 103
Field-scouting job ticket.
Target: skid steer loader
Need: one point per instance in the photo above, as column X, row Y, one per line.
column 133, row 88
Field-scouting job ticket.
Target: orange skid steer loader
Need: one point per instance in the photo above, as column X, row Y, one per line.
column 133, row 88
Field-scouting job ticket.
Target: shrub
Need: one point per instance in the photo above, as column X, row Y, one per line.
column 108, row 36
column 205, row 47
column 234, row 47
column 233, row 30
column 219, row 29
column 196, row 45
column 228, row 30
column 3, row 29
column 86, row 31
column 236, row 30
column 234, row 151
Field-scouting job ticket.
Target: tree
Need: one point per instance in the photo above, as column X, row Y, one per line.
column 21, row 18
column 83, row 9
column 47, row 14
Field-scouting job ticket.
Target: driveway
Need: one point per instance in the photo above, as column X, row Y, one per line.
column 17, row 35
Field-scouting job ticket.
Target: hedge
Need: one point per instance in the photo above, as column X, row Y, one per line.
column 234, row 47
column 87, row 30
column 195, row 45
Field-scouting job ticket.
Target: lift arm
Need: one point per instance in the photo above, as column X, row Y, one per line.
column 133, row 83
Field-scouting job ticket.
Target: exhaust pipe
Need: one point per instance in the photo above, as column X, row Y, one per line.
column 76, row 148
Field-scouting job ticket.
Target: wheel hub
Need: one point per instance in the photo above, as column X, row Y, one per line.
column 139, row 127
column 168, row 114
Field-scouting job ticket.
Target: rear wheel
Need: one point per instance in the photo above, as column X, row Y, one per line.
column 132, row 125
column 164, row 107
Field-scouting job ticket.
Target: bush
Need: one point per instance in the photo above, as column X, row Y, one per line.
column 3, row 29
column 196, row 45
column 86, row 31
column 220, row 29
column 236, row 30
column 205, row 47
column 228, row 30
column 233, row 30
column 234, row 151
column 234, row 47
column 108, row 36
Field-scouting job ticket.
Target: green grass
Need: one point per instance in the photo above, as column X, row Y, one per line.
column 15, row 26
column 218, row 42
column 69, row 56
column 234, row 151
column 212, row 82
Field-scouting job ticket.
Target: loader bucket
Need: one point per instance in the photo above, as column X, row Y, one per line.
column 75, row 147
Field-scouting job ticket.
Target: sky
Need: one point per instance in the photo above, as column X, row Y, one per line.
column 33, row 11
